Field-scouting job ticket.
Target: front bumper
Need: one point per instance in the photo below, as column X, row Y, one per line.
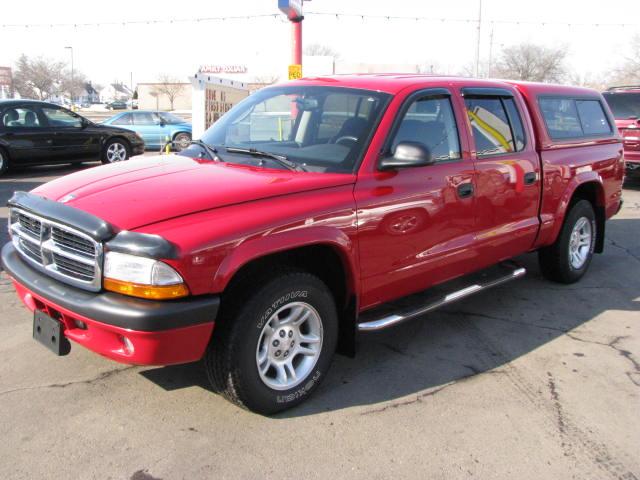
column 125, row 329
column 138, row 148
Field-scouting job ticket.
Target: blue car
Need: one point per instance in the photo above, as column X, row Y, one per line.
column 155, row 128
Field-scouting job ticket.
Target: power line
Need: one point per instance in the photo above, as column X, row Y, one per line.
column 335, row 15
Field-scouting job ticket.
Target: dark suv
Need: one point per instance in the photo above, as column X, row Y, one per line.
column 38, row 133
column 625, row 105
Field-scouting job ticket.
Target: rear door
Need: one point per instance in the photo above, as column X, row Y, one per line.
column 507, row 174
column 26, row 132
column 147, row 124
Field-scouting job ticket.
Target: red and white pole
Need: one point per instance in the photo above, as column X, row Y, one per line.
column 296, row 43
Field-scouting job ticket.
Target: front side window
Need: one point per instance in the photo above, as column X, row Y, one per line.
column 58, row 117
column 495, row 124
column 170, row 118
column 322, row 129
column 20, row 117
column 430, row 121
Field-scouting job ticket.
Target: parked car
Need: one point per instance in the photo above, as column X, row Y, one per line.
column 38, row 133
column 625, row 105
column 155, row 127
column 310, row 212
column 132, row 104
column 116, row 105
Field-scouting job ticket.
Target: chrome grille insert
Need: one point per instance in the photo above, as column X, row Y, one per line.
column 60, row 251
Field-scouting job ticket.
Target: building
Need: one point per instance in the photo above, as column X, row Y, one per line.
column 158, row 96
column 115, row 91
column 89, row 94
column 212, row 97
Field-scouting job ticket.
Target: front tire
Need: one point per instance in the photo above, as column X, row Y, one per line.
column 182, row 141
column 116, row 150
column 568, row 259
column 271, row 351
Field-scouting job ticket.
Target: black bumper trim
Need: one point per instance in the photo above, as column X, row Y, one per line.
column 112, row 308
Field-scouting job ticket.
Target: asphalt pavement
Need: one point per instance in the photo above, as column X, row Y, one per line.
column 531, row 380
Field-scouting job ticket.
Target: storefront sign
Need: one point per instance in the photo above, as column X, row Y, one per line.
column 223, row 69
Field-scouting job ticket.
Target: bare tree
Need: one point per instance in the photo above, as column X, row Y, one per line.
column 37, row 78
column 73, row 87
column 169, row 86
column 629, row 72
column 528, row 61
column 319, row 50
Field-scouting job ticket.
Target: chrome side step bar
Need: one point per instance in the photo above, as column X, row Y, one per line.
column 400, row 311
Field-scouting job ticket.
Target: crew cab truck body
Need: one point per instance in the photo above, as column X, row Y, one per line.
column 311, row 211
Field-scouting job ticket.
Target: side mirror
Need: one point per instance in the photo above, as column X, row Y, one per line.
column 407, row 155
column 85, row 122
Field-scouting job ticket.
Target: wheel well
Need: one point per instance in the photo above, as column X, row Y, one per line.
column 178, row 133
column 118, row 137
column 594, row 194
column 324, row 262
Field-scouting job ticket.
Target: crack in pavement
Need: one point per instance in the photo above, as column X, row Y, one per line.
column 629, row 252
column 97, row 378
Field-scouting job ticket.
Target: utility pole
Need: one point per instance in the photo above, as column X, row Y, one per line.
column 73, row 86
column 490, row 51
column 478, row 44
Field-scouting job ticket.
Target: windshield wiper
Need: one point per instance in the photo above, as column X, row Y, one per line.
column 211, row 151
column 280, row 159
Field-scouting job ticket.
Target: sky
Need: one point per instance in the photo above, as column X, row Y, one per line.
column 144, row 51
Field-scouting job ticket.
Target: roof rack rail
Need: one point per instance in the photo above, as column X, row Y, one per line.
column 622, row 87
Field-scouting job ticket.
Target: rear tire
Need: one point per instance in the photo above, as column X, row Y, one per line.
column 273, row 347
column 116, row 150
column 568, row 259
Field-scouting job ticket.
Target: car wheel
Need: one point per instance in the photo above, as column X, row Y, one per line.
column 271, row 351
column 568, row 259
column 4, row 161
column 116, row 150
column 182, row 141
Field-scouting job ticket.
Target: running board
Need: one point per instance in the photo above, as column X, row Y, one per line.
column 391, row 314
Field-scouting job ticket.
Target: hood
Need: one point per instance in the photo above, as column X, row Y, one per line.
column 151, row 189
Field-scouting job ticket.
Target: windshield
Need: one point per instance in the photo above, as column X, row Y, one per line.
column 170, row 118
column 322, row 129
column 624, row 105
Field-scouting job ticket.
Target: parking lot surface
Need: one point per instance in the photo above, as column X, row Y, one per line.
column 531, row 380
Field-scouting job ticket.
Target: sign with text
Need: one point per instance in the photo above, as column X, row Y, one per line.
column 295, row 72
column 291, row 8
column 223, row 69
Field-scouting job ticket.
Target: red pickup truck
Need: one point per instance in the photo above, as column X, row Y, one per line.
column 311, row 211
column 625, row 106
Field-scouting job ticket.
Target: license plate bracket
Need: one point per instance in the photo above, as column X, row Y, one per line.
column 49, row 332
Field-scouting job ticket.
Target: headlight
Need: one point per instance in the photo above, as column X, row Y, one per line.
column 142, row 277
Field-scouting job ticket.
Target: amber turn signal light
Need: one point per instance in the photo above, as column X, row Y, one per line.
column 152, row 292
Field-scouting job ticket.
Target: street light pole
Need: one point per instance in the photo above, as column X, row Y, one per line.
column 72, row 82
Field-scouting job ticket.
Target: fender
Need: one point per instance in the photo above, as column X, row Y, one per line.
column 262, row 246
column 578, row 180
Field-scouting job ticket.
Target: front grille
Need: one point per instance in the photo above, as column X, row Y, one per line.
column 57, row 250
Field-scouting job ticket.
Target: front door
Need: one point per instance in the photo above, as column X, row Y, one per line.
column 73, row 140
column 416, row 225
column 507, row 173
column 148, row 125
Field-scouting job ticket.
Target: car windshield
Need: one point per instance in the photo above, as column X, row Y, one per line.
column 316, row 128
column 170, row 118
column 624, row 105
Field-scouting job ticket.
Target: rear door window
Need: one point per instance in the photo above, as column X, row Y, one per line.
column 20, row 117
column 496, row 125
column 124, row 119
column 144, row 118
